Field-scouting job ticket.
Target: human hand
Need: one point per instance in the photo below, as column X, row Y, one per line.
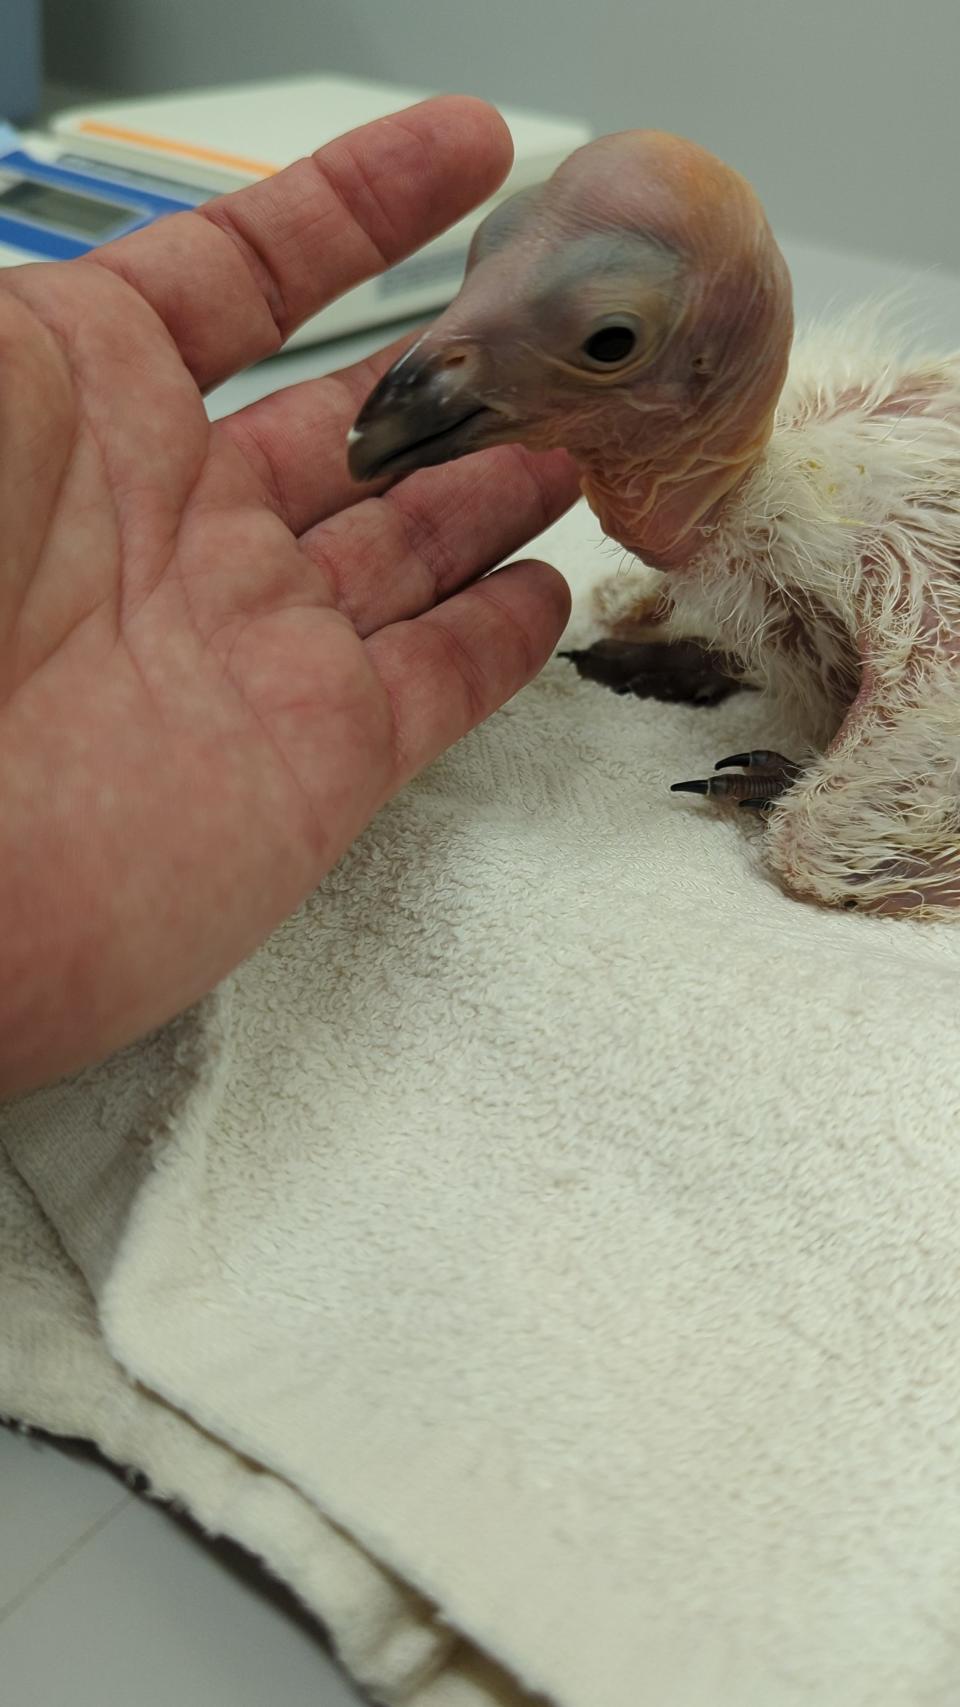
column 217, row 657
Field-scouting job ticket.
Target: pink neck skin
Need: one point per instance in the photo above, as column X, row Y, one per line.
column 664, row 471
column 660, row 515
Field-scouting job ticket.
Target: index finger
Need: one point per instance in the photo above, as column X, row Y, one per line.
column 232, row 279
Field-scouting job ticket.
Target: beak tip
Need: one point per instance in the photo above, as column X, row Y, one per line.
column 424, row 411
column 359, row 459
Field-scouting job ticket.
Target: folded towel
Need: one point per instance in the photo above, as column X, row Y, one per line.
column 545, row 1252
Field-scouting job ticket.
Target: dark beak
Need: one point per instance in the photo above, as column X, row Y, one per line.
column 427, row 409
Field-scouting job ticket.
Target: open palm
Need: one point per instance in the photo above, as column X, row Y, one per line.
column 217, row 658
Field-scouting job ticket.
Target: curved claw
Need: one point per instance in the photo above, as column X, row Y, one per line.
column 739, row 788
column 767, row 776
column 760, row 759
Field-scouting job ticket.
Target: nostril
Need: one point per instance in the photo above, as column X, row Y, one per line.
column 454, row 358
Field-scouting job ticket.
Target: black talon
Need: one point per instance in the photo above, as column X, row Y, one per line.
column 760, row 759
column 675, row 671
column 767, row 776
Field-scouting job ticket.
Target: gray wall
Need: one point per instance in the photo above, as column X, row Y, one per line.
column 19, row 59
column 843, row 113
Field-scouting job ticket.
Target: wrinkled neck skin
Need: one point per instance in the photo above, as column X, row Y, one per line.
column 660, row 516
column 659, row 479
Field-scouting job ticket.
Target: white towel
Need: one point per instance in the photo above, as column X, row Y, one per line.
column 546, row 1251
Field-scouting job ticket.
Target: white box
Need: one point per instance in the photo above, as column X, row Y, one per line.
column 217, row 139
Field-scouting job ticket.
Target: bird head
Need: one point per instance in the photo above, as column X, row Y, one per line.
column 634, row 310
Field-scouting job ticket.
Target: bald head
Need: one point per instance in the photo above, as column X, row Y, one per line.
column 634, row 309
column 655, row 185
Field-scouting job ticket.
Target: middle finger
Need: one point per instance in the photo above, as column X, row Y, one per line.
column 392, row 557
column 295, row 439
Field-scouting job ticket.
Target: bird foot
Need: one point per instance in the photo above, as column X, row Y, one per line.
column 678, row 671
column 767, row 776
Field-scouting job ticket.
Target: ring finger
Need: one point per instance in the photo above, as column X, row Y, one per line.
column 391, row 558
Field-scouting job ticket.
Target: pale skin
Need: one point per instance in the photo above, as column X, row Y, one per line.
column 637, row 310
column 218, row 657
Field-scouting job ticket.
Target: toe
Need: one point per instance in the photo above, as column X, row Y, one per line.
column 760, row 759
column 766, row 776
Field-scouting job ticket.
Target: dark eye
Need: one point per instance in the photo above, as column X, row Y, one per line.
column 611, row 344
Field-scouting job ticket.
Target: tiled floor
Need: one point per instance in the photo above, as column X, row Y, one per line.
column 108, row 1601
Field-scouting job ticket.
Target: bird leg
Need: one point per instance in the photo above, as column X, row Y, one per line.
column 875, row 822
column 677, row 671
column 643, row 653
column 768, row 775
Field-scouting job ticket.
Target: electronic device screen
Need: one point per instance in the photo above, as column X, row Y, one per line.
column 88, row 216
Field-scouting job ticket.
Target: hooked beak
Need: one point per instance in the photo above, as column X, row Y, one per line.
column 429, row 408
